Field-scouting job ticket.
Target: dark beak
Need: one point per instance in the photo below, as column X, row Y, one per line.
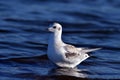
column 47, row 29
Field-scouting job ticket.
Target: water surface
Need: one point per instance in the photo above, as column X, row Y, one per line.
column 86, row 23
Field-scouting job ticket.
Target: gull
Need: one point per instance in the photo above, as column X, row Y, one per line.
column 62, row 54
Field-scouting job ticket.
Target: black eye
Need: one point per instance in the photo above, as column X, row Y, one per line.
column 54, row 27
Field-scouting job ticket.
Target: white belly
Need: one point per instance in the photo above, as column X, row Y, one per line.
column 56, row 54
column 59, row 58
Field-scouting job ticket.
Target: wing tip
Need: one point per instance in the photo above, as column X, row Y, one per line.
column 90, row 50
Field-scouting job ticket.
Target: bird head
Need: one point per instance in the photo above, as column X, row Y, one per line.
column 56, row 27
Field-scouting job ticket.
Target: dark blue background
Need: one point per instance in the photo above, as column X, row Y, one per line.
column 86, row 23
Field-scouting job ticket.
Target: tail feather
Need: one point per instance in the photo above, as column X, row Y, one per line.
column 90, row 50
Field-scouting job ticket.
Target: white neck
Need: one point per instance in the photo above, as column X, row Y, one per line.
column 55, row 38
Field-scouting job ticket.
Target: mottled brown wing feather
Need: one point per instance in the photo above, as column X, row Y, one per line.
column 71, row 51
column 71, row 55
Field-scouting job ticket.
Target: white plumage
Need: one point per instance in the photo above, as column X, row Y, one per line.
column 64, row 55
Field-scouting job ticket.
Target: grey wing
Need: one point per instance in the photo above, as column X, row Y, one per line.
column 86, row 50
column 71, row 51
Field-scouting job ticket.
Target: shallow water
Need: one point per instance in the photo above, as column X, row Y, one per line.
column 86, row 23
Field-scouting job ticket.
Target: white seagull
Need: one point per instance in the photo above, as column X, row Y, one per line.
column 62, row 54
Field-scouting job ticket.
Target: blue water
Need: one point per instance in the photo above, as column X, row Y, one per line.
column 86, row 23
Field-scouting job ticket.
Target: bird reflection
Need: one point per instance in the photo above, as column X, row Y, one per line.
column 75, row 72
